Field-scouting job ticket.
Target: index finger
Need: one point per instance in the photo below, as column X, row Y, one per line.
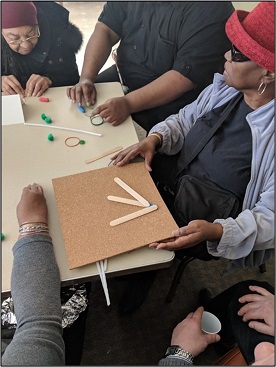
column 260, row 290
column 16, row 86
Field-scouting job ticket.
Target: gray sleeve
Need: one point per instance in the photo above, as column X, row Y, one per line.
column 35, row 285
column 174, row 361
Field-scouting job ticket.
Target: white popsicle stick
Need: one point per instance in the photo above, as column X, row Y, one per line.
column 134, row 215
column 131, row 191
column 124, row 200
column 104, row 154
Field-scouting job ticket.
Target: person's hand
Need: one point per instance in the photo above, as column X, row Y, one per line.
column 114, row 110
column 37, row 85
column 10, row 85
column 32, row 206
column 189, row 336
column 192, row 234
column 145, row 148
column 264, row 354
column 83, row 89
column 259, row 306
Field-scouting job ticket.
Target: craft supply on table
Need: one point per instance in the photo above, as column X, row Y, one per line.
column 90, row 238
column 134, row 215
column 51, row 137
column 104, row 154
column 97, row 120
column 64, row 128
column 81, row 109
column 102, row 266
column 71, row 145
column 2, row 236
column 43, row 99
column 131, row 191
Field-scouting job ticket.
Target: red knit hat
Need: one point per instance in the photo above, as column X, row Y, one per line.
column 18, row 13
column 253, row 33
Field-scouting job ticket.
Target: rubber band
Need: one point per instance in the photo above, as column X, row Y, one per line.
column 96, row 116
column 72, row 145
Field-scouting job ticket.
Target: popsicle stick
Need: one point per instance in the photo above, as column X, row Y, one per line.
column 104, row 154
column 134, row 215
column 124, row 200
column 131, row 191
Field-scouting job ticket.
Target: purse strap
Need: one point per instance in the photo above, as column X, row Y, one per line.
column 201, row 144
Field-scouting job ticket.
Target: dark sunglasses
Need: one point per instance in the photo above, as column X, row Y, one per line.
column 237, row 56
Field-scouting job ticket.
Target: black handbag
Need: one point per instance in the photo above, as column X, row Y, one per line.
column 198, row 198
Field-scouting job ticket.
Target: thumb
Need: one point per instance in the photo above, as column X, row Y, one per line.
column 148, row 160
column 212, row 338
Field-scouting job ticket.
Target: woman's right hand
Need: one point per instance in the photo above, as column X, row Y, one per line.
column 84, row 89
column 145, row 148
column 10, row 85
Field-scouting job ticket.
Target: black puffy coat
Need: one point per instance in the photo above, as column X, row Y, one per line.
column 54, row 54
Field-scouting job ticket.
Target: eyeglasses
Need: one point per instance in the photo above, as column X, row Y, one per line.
column 237, row 56
column 29, row 39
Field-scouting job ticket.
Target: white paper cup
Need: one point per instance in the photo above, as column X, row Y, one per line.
column 210, row 324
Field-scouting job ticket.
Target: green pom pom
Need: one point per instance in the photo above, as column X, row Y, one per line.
column 2, row 236
column 43, row 116
column 50, row 137
column 82, row 142
column 48, row 120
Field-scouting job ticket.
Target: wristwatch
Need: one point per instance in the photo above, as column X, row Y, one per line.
column 176, row 350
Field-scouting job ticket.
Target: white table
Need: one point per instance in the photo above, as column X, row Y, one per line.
column 28, row 156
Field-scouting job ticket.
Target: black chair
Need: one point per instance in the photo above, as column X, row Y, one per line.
column 180, row 269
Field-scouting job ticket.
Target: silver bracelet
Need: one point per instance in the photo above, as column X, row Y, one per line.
column 34, row 228
column 176, row 350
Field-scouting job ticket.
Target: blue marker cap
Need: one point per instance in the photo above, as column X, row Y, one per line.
column 81, row 109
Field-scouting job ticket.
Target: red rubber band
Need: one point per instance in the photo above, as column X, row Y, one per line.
column 73, row 145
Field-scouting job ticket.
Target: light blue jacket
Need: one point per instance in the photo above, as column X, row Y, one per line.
column 248, row 240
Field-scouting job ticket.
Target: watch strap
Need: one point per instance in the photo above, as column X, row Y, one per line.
column 176, row 350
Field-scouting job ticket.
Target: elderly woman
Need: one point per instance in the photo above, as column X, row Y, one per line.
column 238, row 158
column 38, row 47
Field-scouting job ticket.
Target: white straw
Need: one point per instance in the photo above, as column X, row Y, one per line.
column 101, row 266
column 63, row 128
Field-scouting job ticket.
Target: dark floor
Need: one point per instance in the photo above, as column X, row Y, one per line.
column 142, row 338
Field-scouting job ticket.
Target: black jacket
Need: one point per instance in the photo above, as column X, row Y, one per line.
column 54, row 54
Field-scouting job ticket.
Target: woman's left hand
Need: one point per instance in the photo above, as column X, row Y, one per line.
column 37, row 85
column 192, row 234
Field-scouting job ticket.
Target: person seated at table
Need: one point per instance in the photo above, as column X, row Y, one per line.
column 239, row 157
column 38, row 47
column 168, row 53
column 246, row 312
column 38, row 337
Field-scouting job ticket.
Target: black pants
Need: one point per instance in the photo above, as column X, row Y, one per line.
column 225, row 306
column 148, row 118
column 163, row 173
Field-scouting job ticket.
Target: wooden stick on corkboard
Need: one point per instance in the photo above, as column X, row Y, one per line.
column 85, row 213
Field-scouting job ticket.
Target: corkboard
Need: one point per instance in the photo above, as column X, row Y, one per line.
column 85, row 213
